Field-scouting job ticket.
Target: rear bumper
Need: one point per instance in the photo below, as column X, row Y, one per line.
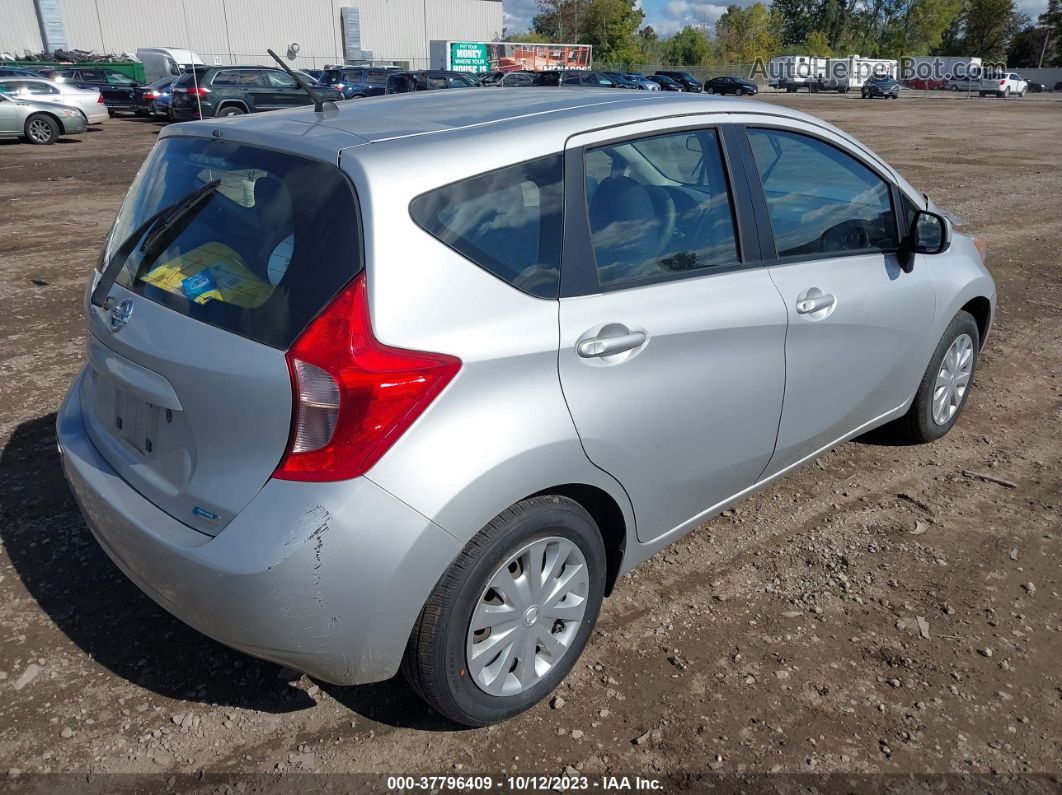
column 189, row 112
column 324, row 578
column 99, row 116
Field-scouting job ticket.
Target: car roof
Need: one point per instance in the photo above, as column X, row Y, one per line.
column 516, row 124
column 567, row 111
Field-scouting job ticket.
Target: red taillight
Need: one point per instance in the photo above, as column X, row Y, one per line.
column 193, row 90
column 1002, row 82
column 99, row 99
column 151, row 94
column 352, row 396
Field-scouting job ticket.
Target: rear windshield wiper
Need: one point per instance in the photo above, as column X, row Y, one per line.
column 170, row 222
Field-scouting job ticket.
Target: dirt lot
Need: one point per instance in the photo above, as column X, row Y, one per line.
column 786, row 635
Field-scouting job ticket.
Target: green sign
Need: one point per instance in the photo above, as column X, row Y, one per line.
column 469, row 57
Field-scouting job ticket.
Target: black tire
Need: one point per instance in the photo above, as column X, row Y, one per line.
column 435, row 659
column 917, row 425
column 231, row 110
column 41, row 129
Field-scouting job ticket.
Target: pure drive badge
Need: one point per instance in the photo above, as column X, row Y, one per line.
column 203, row 513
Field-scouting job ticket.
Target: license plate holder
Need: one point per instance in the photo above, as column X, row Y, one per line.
column 136, row 421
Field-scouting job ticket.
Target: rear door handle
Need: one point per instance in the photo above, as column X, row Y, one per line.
column 808, row 305
column 607, row 346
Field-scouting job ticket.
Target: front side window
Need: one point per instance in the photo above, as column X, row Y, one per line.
column 820, row 199
column 506, row 221
column 118, row 79
column 659, row 206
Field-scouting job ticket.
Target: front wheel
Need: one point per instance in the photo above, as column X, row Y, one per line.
column 41, row 129
column 511, row 615
column 946, row 385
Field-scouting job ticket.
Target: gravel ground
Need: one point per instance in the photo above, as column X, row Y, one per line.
column 884, row 610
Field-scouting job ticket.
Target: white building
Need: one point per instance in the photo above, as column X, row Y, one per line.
column 240, row 31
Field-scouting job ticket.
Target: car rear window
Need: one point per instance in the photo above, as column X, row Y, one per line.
column 506, row 221
column 274, row 242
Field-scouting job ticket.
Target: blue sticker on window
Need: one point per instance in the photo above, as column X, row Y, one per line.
column 199, row 283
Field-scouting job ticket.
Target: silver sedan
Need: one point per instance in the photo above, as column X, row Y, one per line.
column 38, row 122
column 40, row 89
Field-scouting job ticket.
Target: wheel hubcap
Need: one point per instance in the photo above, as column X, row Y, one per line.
column 39, row 131
column 953, row 379
column 527, row 617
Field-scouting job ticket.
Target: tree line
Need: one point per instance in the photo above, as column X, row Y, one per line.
column 991, row 29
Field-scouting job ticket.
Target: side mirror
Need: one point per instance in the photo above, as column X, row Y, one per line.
column 929, row 234
column 693, row 143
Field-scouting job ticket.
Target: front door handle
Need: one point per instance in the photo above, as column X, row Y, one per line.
column 607, row 346
column 806, row 306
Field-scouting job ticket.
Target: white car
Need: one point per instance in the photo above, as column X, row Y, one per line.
column 1003, row 85
column 40, row 89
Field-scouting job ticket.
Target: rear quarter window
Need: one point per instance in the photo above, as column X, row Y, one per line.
column 508, row 222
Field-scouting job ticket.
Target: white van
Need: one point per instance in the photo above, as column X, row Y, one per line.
column 790, row 72
column 844, row 74
column 160, row 62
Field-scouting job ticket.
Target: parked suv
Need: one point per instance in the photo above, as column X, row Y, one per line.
column 1003, row 85
column 684, row 79
column 235, row 90
column 355, row 401
column 356, row 82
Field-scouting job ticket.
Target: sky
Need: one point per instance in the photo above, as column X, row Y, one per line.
column 670, row 16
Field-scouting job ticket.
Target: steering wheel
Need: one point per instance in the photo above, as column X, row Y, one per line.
column 850, row 235
column 669, row 217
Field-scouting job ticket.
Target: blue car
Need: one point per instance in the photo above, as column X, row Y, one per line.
column 154, row 100
column 18, row 71
column 355, row 82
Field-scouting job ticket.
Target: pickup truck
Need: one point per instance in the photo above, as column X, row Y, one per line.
column 1003, row 84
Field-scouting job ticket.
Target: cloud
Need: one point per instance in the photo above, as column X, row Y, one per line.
column 517, row 14
column 670, row 16
column 1031, row 7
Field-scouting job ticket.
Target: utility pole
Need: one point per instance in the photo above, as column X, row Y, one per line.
column 1047, row 38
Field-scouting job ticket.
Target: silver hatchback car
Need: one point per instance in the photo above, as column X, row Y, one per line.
column 409, row 384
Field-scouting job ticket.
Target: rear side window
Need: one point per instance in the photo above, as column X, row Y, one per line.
column 248, row 78
column 659, row 207
column 274, row 241
column 821, row 200
column 506, row 221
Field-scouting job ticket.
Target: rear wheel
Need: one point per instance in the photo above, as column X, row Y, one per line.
column 511, row 615
column 946, row 385
column 41, row 129
column 231, row 110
